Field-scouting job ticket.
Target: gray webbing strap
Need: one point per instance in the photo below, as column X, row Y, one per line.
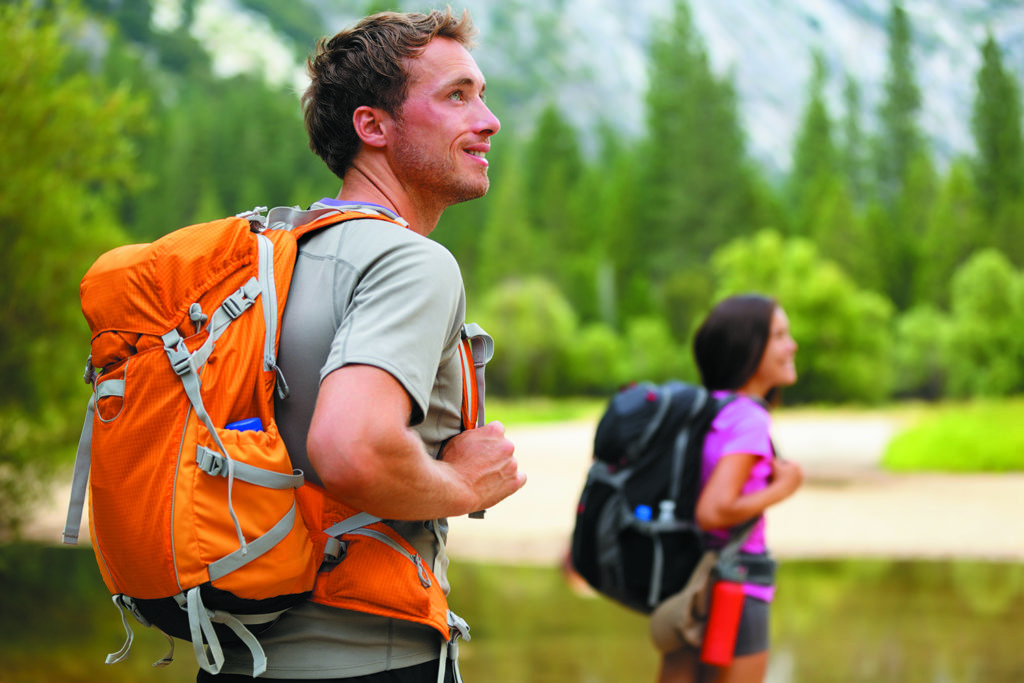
column 255, row 548
column 681, row 442
column 268, row 294
column 110, row 388
column 333, row 547
column 201, row 620
column 187, row 369
column 288, row 217
column 652, row 426
column 457, row 628
column 483, row 350
column 213, row 463
column 115, row 657
column 210, row 659
column 356, row 521
column 80, row 478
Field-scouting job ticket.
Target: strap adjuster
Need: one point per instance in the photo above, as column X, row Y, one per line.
column 210, row 461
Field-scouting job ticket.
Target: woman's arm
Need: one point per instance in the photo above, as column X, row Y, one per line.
column 723, row 505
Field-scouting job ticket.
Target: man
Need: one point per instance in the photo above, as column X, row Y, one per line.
column 370, row 349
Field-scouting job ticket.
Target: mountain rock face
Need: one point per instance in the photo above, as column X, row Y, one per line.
column 596, row 54
column 591, row 56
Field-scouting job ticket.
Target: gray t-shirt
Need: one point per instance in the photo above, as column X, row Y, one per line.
column 374, row 293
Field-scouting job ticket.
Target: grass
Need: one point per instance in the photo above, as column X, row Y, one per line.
column 540, row 410
column 976, row 436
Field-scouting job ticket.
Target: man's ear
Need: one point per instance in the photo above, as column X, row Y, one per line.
column 372, row 125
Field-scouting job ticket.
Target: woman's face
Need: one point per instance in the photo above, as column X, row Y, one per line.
column 777, row 368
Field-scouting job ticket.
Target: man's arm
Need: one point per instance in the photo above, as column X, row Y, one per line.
column 367, row 456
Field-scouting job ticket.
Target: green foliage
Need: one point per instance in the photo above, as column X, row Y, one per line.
column 954, row 230
column 653, row 354
column 899, row 139
column 815, row 162
column 697, row 189
column 598, row 363
column 67, row 157
column 842, row 330
column 979, row 436
column 542, row 409
column 219, row 148
column 920, row 349
column 986, row 353
column 853, row 149
column 996, row 122
column 534, row 327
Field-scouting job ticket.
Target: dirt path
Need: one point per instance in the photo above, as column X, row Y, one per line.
column 847, row 507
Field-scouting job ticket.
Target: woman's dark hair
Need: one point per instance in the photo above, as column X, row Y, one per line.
column 730, row 342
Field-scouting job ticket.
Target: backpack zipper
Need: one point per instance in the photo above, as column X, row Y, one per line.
column 415, row 558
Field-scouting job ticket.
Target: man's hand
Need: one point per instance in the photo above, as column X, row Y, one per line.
column 485, row 460
column 373, row 461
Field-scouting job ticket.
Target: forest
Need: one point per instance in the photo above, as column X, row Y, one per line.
column 901, row 275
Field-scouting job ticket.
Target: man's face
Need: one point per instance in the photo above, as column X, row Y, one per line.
column 444, row 127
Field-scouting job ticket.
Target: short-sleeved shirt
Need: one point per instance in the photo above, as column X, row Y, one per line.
column 742, row 426
column 375, row 293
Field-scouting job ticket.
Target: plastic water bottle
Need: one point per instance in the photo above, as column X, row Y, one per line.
column 643, row 513
column 249, row 424
column 723, row 623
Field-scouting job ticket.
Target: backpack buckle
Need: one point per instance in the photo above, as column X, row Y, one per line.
column 90, row 372
column 210, row 461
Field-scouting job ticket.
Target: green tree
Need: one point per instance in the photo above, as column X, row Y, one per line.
column 815, row 158
column 58, row 185
column 696, row 186
column 653, row 355
column 903, row 251
column 899, row 140
column 996, row 123
column 535, row 327
column 920, row 349
column 507, row 240
column 854, row 144
column 986, row 354
column 954, row 232
column 598, row 362
column 842, row 330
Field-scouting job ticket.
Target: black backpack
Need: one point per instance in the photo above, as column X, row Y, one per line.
column 635, row 539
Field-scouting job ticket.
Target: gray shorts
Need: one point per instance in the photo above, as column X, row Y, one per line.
column 752, row 633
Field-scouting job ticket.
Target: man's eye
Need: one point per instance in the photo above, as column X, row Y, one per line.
column 457, row 95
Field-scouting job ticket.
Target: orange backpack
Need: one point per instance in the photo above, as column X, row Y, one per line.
column 193, row 513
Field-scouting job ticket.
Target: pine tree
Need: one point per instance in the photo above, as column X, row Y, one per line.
column 954, row 233
column 696, row 189
column 900, row 138
column 905, row 179
column 815, row 162
column 854, row 144
column 999, row 162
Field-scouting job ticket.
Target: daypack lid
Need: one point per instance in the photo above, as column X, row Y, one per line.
column 148, row 288
column 636, row 414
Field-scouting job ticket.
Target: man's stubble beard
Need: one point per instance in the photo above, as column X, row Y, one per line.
column 436, row 178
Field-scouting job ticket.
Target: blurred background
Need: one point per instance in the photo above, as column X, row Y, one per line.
column 861, row 160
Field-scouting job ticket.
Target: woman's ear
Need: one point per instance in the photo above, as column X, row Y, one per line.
column 371, row 125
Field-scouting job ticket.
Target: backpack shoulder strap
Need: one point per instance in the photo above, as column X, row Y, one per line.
column 301, row 221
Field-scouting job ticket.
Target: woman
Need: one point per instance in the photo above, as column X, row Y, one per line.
column 744, row 348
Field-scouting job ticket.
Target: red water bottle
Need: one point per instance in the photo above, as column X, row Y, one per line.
column 723, row 623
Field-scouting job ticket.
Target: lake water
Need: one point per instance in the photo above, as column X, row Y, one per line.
column 837, row 621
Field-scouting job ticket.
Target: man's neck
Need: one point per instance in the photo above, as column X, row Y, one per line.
column 359, row 186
